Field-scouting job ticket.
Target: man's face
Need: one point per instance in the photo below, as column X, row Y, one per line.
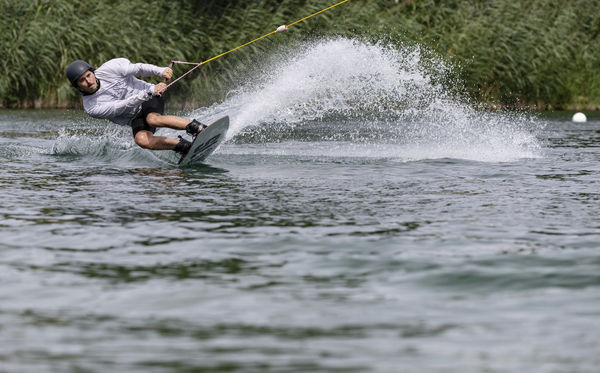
column 87, row 82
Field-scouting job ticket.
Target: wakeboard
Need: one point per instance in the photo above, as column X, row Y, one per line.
column 206, row 142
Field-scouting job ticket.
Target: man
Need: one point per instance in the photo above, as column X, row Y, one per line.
column 113, row 92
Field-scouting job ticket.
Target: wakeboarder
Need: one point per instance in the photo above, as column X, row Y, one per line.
column 114, row 93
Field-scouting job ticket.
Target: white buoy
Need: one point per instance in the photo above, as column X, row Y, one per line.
column 579, row 118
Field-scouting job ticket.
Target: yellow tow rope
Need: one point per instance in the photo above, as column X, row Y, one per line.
column 281, row 28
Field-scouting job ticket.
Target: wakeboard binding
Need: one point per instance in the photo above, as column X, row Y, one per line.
column 194, row 128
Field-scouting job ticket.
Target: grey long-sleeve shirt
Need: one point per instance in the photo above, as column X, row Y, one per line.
column 121, row 94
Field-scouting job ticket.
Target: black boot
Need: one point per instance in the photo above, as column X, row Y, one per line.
column 195, row 127
column 183, row 146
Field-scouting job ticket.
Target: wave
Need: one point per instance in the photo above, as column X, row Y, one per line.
column 110, row 144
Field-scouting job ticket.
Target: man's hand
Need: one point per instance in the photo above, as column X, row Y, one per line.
column 167, row 74
column 159, row 89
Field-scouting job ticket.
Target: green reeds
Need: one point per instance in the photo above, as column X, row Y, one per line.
column 538, row 53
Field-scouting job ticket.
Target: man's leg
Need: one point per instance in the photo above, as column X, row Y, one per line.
column 147, row 140
column 171, row 121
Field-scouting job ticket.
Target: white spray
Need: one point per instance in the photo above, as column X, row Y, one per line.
column 372, row 100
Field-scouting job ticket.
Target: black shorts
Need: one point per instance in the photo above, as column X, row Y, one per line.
column 155, row 105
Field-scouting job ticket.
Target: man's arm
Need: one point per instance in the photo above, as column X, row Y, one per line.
column 124, row 67
column 144, row 69
column 107, row 110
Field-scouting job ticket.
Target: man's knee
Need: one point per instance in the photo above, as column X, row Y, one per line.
column 143, row 138
column 153, row 119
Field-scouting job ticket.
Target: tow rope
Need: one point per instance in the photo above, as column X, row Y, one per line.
column 279, row 29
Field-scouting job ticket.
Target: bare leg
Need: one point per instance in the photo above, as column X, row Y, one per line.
column 147, row 140
column 170, row 121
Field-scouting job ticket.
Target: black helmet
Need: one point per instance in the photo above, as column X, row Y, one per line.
column 76, row 69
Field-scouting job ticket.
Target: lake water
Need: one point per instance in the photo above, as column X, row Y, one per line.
column 357, row 220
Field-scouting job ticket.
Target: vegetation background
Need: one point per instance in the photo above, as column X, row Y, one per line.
column 513, row 53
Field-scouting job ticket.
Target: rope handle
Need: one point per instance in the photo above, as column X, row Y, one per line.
column 198, row 64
